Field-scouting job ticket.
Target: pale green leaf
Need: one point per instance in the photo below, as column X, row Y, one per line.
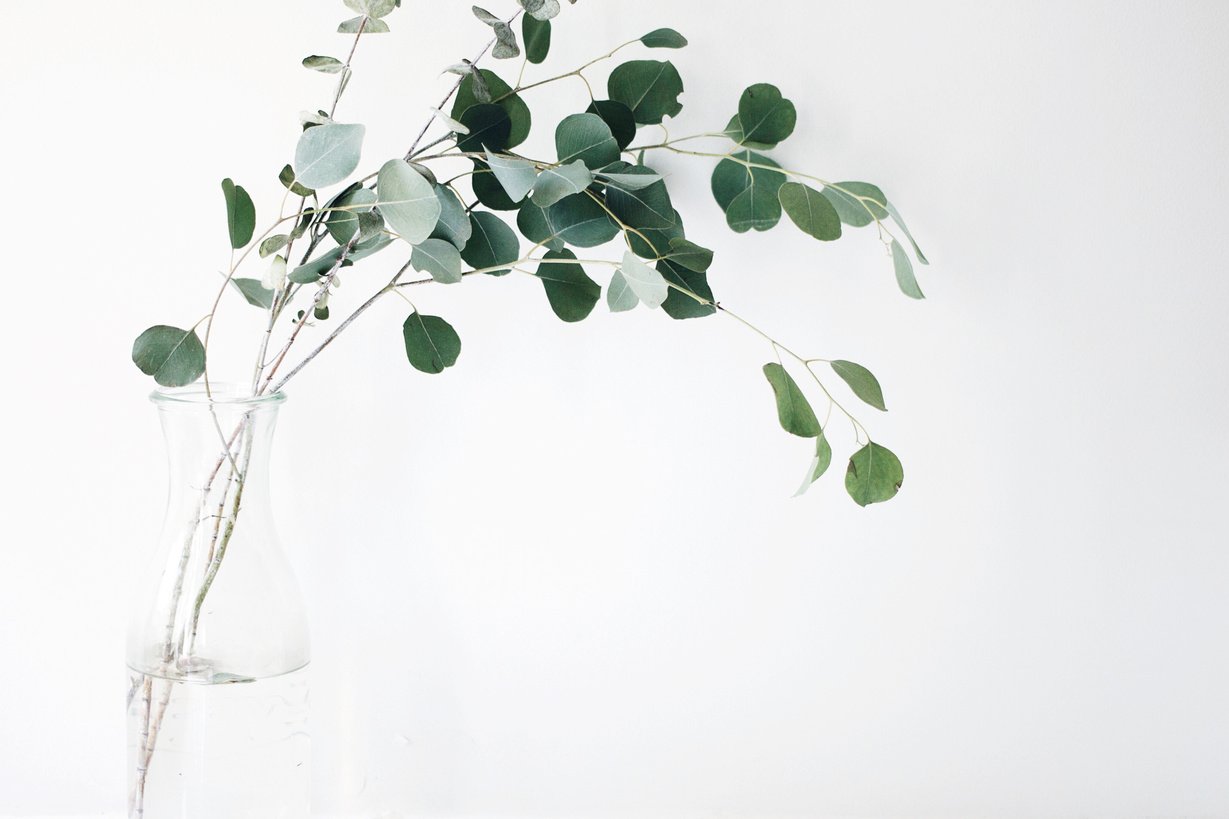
column 407, row 201
column 438, row 258
column 862, row 381
column 874, row 475
column 327, row 154
column 793, row 409
column 554, row 184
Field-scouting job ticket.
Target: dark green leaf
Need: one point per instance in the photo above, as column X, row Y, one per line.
column 765, row 116
column 664, row 38
column 857, row 203
column 733, row 177
column 571, row 292
column 679, row 305
column 430, row 343
column 649, row 88
column 501, row 94
column 256, row 293
column 756, row 208
column 577, row 220
column 810, row 211
column 537, row 35
column 875, row 475
column 690, row 255
column 240, row 214
column 793, row 409
column 533, row 225
column 492, row 244
column 586, row 137
column 174, row 357
column 645, row 208
column 489, row 128
column 862, row 382
column 620, row 119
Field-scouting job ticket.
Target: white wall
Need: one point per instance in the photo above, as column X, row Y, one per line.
column 567, row 579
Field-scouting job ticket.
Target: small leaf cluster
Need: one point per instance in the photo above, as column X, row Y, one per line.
column 472, row 202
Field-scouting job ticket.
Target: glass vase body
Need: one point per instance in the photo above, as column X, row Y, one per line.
column 218, row 643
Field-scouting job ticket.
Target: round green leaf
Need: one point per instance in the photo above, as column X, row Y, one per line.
column 501, row 94
column 586, row 137
column 438, row 258
column 733, row 178
column 430, row 343
column 862, row 381
column 756, row 208
column 620, row 119
column 581, row 222
column 649, row 88
column 174, row 357
column 679, row 305
column 810, row 211
column 793, row 409
column 765, row 116
column 407, row 201
column 489, row 127
column 560, row 182
column 874, row 475
column 572, row 294
column 342, row 224
column 327, row 154
column 531, row 221
column 646, row 208
column 492, row 244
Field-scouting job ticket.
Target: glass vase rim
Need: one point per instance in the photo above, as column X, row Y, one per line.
column 218, row 394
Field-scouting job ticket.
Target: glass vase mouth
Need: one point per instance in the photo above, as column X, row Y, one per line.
column 218, row 394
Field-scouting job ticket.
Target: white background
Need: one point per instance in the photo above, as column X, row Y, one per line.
column 567, row 578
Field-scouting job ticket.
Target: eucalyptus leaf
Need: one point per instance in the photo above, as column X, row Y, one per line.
column 343, row 223
column 810, row 211
column 862, row 381
column 620, row 119
column 438, row 258
column 679, row 305
column 557, row 183
column 664, row 38
column 367, row 25
column 734, row 178
column 453, row 225
column 572, row 294
column 407, row 201
column 286, row 177
column 756, row 208
column 516, row 175
column 793, row 409
column 630, row 181
column 533, row 224
column 313, row 270
column 904, row 272
column 174, row 357
column 240, row 214
column 540, row 9
column 619, row 296
column 819, row 464
column 586, row 137
column 577, row 220
column 642, row 208
column 537, row 36
column 371, row 8
column 765, row 116
column 327, row 154
column 899, row 220
column 490, row 88
column 874, row 475
column 488, row 128
column 649, row 88
column 273, row 244
column 689, row 255
column 857, row 203
column 256, row 293
column 505, row 47
column 325, row 65
column 488, row 190
column 648, row 284
column 431, row 344
column 492, row 244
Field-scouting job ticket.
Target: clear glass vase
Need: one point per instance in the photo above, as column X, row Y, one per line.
column 218, row 642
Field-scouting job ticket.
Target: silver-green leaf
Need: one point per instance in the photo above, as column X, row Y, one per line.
column 438, row 258
column 327, row 154
column 407, row 201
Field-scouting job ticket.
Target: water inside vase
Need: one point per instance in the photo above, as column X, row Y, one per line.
column 226, row 746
